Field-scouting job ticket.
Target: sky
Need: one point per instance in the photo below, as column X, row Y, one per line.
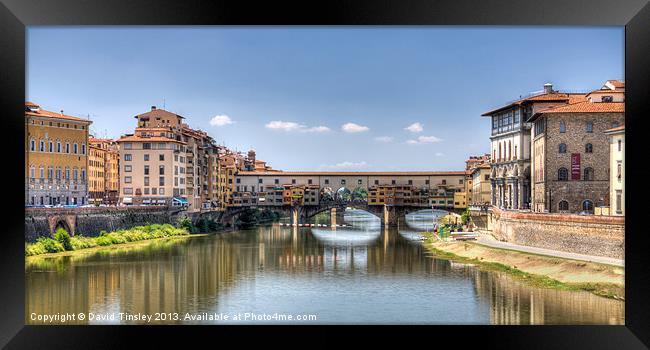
column 318, row 98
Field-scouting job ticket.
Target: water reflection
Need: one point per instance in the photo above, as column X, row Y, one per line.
column 362, row 274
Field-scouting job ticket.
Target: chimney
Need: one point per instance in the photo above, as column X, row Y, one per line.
column 153, row 108
column 548, row 88
column 61, row 112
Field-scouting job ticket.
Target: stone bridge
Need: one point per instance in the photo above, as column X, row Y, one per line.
column 91, row 221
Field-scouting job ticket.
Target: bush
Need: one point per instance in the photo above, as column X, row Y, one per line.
column 50, row 245
column 80, row 242
column 62, row 236
column 103, row 240
column 186, row 223
column 34, row 249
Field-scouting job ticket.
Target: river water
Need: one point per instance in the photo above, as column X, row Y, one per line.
column 272, row 274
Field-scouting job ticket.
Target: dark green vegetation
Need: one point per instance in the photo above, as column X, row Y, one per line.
column 63, row 242
column 201, row 226
column 253, row 216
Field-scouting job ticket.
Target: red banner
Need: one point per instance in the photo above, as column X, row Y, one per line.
column 575, row 166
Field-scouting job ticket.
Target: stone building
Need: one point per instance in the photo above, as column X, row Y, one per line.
column 481, row 185
column 511, row 143
column 109, row 175
column 617, row 170
column 56, row 159
column 571, row 155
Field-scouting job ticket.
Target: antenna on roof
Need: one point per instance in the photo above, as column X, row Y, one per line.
column 163, row 103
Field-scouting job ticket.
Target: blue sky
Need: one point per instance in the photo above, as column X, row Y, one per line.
column 318, row 98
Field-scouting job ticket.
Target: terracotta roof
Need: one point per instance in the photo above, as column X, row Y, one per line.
column 133, row 138
column 545, row 97
column 616, row 129
column 93, row 139
column 158, row 112
column 31, row 104
column 48, row 114
column 353, row 173
column 588, row 107
column 617, row 83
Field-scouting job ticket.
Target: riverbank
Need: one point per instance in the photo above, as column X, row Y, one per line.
column 62, row 241
column 112, row 247
column 538, row 270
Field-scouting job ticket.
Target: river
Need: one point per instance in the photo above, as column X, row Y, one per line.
column 272, row 274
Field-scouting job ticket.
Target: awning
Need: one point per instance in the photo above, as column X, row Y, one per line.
column 180, row 200
column 127, row 200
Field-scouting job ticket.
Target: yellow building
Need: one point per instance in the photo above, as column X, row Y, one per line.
column 56, row 159
column 96, row 173
column 617, row 170
column 107, row 151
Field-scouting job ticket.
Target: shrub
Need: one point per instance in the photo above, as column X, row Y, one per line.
column 80, row 242
column 34, row 249
column 50, row 245
column 186, row 223
column 62, row 236
column 103, row 240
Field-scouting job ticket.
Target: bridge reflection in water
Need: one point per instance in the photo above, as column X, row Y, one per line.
column 365, row 274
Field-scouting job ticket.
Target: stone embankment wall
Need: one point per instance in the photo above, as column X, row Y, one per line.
column 91, row 221
column 583, row 234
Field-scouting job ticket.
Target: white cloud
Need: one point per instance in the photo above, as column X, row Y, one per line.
column 439, row 154
column 346, row 164
column 292, row 126
column 384, row 139
column 220, row 120
column 415, row 128
column 352, row 128
column 424, row 139
column 318, row 129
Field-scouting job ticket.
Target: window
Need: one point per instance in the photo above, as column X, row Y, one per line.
column 460, row 182
column 32, row 145
column 161, row 157
column 487, row 177
column 154, row 190
column 75, row 148
column 32, row 172
column 343, row 182
column 41, row 146
column 50, row 172
column 619, row 145
column 58, row 147
column 563, row 174
column 619, row 170
column 392, row 182
column 67, row 173
column 83, row 148
column 67, row 147
column 590, row 127
column 293, row 181
column 619, row 201
column 127, row 168
column 51, row 146
column 75, row 174
column 83, row 174
column 563, row 205
column 128, row 190
column 239, row 180
column 161, row 170
column 276, row 181
column 410, row 182
column 588, row 206
column 259, row 181
column 562, row 148
column 146, row 169
column 58, row 173
column 127, row 157
column 128, row 145
column 146, row 180
column 128, row 179
column 327, row 181
column 589, row 174
column 146, row 190
column 42, row 172
column 589, row 148
column 444, row 182
column 146, row 157
column 606, row 98
column 562, row 129
column 161, row 181
column 146, row 145
column 359, row 182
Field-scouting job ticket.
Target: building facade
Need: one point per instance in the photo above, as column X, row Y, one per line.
column 110, row 155
column 481, row 185
column 617, row 170
column 571, row 155
column 56, row 157
column 96, row 173
column 511, row 146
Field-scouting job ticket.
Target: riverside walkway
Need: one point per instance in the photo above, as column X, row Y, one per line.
column 489, row 241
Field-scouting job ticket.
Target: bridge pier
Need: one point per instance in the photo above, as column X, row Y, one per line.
column 295, row 217
column 393, row 216
column 333, row 216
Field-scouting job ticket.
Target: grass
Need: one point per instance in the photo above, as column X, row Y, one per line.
column 608, row 290
column 63, row 242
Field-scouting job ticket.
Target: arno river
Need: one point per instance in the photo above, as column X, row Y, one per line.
column 361, row 274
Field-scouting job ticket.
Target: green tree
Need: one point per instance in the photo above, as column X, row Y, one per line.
column 62, row 236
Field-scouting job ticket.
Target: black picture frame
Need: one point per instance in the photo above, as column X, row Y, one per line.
column 15, row 15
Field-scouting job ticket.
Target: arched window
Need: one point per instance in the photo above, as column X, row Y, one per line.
column 51, row 148
column 563, row 205
column 58, row 147
column 562, row 148
column 32, row 171
column 41, row 146
column 515, row 156
column 562, row 127
column 589, row 148
column 67, row 173
column 41, row 171
column 588, row 206
column 589, row 174
column 562, row 174
column 67, row 147
column 32, row 145
column 75, row 148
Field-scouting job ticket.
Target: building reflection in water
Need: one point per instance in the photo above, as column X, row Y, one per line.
column 240, row 269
